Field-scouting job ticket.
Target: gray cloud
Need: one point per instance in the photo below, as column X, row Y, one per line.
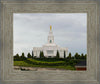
column 31, row 30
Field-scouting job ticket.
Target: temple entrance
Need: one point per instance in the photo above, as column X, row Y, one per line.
column 50, row 52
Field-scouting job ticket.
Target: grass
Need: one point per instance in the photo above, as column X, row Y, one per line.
column 44, row 64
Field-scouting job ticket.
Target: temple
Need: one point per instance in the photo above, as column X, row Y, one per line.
column 50, row 49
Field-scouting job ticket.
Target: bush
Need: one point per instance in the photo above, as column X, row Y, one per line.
column 36, row 62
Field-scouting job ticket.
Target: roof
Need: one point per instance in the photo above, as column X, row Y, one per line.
column 81, row 63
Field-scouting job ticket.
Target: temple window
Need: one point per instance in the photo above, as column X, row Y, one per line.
column 50, row 41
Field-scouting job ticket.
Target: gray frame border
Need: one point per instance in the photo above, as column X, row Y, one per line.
column 6, row 74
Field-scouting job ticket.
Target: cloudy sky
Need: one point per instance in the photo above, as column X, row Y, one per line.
column 31, row 30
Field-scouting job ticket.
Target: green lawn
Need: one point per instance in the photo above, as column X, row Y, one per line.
column 48, row 64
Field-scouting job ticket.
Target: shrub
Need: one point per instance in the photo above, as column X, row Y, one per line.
column 36, row 62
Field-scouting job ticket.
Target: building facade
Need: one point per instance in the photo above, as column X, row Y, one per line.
column 50, row 49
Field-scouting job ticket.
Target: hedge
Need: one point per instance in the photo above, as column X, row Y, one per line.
column 36, row 62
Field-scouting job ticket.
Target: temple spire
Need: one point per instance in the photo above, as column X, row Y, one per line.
column 50, row 36
column 50, row 27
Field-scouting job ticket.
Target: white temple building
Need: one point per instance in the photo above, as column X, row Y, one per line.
column 50, row 49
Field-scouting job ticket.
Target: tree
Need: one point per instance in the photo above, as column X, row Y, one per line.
column 57, row 55
column 82, row 56
column 69, row 56
column 32, row 54
column 85, row 56
column 64, row 54
column 29, row 55
column 23, row 54
column 77, row 56
column 23, row 57
column 41, row 54
column 16, row 57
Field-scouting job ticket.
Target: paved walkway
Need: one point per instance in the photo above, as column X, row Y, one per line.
column 36, row 69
